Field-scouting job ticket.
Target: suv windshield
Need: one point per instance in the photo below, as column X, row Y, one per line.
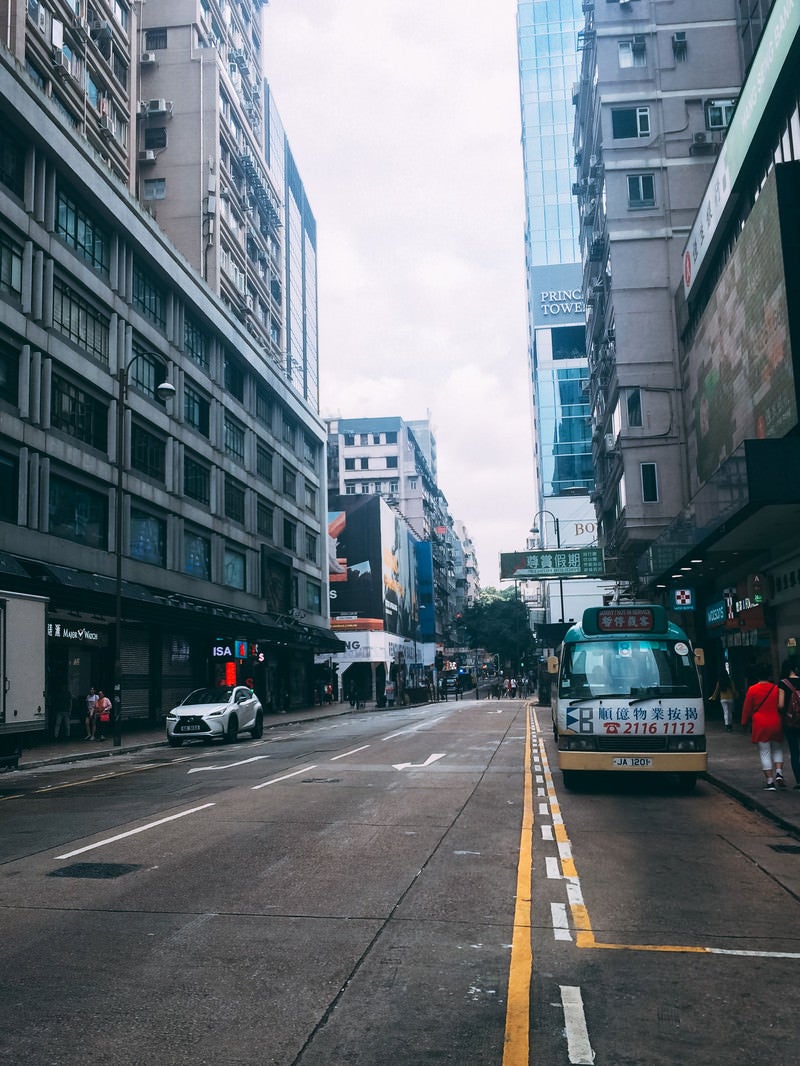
column 628, row 668
column 221, row 694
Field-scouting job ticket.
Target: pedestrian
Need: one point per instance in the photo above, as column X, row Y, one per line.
column 789, row 710
column 513, row 688
column 91, row 711
column 726, row 693
column 102, row 715
column 760, row 710
column 62, row 705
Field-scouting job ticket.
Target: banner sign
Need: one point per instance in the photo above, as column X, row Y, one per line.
column 558, row 563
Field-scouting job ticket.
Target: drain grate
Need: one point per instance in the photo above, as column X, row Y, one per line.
column 788, row 849
column 97, row 870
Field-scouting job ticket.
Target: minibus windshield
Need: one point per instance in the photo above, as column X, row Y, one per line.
column 634, row 669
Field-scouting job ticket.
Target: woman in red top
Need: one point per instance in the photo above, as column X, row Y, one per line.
column 761, row 708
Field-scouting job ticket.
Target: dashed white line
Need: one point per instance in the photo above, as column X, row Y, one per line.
column 547, row 832
column 544, row 808
column 560, row 923
column 346, row 753
column 552, row 868
column 275, row 780
column 578, row 1046
column 133, row 832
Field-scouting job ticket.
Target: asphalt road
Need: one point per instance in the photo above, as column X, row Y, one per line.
column 405, row 886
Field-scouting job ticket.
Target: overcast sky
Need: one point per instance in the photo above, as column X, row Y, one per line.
column 403, row 118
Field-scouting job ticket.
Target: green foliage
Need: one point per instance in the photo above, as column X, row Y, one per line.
column 499, row 624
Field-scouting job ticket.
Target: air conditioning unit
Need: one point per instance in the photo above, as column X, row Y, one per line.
column 609, row 440
column 147, row 155
column 624, row 3
column 106, row 127
column 141, row 109
column 60, row 61
column 159, row 107
column 700, row 138
column 41, row 20
column 82, row 28
column 101, row 28
column 147, row 59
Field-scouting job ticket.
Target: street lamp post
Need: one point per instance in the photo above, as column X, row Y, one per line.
column 165, row 391
column 557, row 528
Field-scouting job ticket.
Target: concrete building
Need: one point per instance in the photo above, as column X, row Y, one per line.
column 220, row 529
column 561, row 511
column 657, row 87
column 730, row 559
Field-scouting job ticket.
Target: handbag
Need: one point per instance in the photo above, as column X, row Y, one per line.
column 104, row 715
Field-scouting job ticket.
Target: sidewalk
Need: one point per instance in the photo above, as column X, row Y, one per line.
column 732, row 760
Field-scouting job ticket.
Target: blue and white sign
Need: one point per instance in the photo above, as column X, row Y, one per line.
column 683, row 599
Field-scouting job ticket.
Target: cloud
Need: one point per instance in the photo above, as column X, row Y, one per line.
column 404, row 122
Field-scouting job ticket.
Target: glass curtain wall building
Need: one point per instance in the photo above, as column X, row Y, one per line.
column 547, row 39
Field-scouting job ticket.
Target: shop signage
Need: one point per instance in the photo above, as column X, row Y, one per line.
column 77, row 633
column 683, row 599
column 715, row 614
column 560, row 563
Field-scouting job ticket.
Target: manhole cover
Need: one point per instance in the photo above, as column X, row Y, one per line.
column 789, row 849
column 101, row 870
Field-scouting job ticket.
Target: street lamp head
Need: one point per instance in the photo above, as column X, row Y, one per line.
column 166, row 390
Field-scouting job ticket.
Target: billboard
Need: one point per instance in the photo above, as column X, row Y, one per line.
column 372, row 566
column 557, row 296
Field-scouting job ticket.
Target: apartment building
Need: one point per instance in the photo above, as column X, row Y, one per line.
column 657, row 88
column 109, row 289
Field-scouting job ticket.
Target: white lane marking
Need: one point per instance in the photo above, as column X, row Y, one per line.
column 541, row 791
column 547, row 832
column 227, row 766
column 133, row 832
column 415, row 728
column 539, row 779
column 574, row 893
column 420, row 765
column 275, row 780
column 346, row 753
column 558, row 912
column 544, row 808
column 578, row 1046
column 564, row 849
column 755, row 954
column 552, row 868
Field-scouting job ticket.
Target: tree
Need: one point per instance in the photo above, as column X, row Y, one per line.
column 499, row 623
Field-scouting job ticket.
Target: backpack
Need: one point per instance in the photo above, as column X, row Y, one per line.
column 791, row 710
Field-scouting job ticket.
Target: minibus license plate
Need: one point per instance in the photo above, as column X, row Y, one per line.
column 631, row 761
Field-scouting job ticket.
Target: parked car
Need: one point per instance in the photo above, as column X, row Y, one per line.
column 220, row 713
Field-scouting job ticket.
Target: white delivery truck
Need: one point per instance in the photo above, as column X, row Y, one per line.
column 22, row 670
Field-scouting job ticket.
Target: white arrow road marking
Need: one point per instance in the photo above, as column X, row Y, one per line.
column 419, row 765
column 227, row 766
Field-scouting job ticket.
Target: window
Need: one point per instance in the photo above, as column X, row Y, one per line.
column 77, row 513
column 146, row 372
column 155, row 137
column 196, row 480
column 79, row 321
column 632, row 52
column 264, row 457
column 313, row 597
column 289, row 534
column 155, row 188
column 363, row 438
column 412, row 482
column 75, row 412
column 148, row 538
column 311, row 546
column 89, row 238
column 309, row 452
column 12, row 160
column 630, row 122
column 263, row 407
column 635, row 409
column 149, row 296
column 363, row 464
column 148, row 453
column 649, row 482
column 349, row 488
column 641, row 190
column 391, row 437
column 9, row 373
column 119, row 67
column 288, row 431
column 234, row 499
column 679, row 46
column 154, row 39
column 289, row 482
column 349, row 464
column 719, row 114
column 265, row 517
column 391, row 462
column 234, row 377
column 195, row 341
column 9, row 488
column 196, row 555
column 196, row 409
column 394, row 487
column 234, row 569
column 234, row 438
column 311, row 496
column 349, row 440
column 10, row 266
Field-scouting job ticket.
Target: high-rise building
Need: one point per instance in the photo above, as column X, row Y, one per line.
column 152, row 227
column 562, row 514
column 656, row 91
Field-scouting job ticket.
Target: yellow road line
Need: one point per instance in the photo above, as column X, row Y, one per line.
column 516, row 1049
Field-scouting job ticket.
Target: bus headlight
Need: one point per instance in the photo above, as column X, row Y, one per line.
column 569, row 743
column 686, row 744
